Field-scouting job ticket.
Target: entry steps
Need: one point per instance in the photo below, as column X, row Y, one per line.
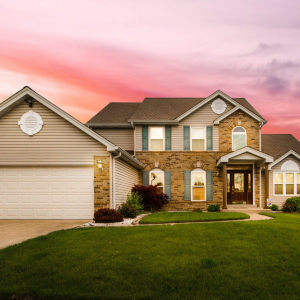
column 245, row 208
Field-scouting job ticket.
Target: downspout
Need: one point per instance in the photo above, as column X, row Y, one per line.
column 114, row 179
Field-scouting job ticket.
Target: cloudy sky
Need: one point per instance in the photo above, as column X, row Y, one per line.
column 82, row 55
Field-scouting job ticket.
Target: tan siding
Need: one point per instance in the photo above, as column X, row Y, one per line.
column 202, row 117
column 58, row 143
column 120, row 137
column 126, row 176
column 277, row 168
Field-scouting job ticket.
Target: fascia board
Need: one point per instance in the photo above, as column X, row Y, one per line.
column 290, row 152
column 171, row 122
column 109, row 125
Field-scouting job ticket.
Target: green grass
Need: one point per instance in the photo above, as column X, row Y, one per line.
column 182, row 217
column 230, row 260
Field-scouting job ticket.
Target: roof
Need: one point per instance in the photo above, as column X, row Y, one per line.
column 152, row 109
column 278, row 144
column 115, row 113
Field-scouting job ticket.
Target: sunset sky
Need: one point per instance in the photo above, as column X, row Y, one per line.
column 81, row 55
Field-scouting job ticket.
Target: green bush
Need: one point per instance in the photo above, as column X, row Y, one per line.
column 213, row 208
column 274, row 207
column 107, row 215
column 135, row 200
column 128, row 211
column 291, row 204
column 197, row 210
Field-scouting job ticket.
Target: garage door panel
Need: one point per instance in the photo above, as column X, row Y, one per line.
column 46, row 193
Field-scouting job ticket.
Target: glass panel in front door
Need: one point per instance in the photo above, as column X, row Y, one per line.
column 239, row 182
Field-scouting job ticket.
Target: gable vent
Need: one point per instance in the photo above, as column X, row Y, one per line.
column 31, row 123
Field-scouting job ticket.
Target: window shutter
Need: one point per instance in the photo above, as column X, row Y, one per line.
column 186, row 137
column 209, row 185
column 168, row 183
column 145, row 137
column 209, row 138
column 187, row 185
column 145, row 178
column 168, row 133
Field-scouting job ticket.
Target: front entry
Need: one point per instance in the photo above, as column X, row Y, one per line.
column 239, row 187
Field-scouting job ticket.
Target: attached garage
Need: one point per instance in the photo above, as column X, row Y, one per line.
column 46, row 192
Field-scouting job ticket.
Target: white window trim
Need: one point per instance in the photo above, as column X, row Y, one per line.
column 238, row 133
column 284, row 183
column 157, row 171
column 191, row 137
column 198, row 170
column 149, row 138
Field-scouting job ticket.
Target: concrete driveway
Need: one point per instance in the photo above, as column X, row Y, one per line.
column 16, row 231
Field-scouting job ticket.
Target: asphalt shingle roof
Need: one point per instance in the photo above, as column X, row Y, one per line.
column 278, row 144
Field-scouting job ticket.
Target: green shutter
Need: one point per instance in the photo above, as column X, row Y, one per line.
column 145, row 178
column 209, row 185
column 187, row 185
column 145, row 137
column 186, row 137
column 168, row 134
column 168, row 183
column 209, row 138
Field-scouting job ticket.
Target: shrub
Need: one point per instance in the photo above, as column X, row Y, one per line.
column 274, row 207
column 107, row 215
column 197, row 210
column 128, row 211
column 153, row 198
column 213, row 208
column 135, row 200
column 291, row 204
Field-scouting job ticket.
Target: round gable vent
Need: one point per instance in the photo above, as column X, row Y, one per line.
column 31, row 123
column 218, row 106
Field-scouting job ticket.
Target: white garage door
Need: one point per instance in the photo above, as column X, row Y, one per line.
column 46, row 193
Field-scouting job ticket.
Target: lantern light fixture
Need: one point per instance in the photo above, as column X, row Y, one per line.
column 100, row 165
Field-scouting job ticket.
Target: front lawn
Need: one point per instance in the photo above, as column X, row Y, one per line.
column 225, row 260
column 182, row 217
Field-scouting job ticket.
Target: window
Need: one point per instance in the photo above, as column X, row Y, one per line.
column 157, row 138
column 238, row 138
column 157, row 178
column 198, row 185
column 287, row 183
column 198, row 138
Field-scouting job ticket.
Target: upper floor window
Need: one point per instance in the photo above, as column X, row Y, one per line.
column 238, row 138
column 157, row 138
column 198, row 138
column 157, row 178
column 198, row 185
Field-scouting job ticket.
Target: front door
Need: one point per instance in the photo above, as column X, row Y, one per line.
column 239, row 187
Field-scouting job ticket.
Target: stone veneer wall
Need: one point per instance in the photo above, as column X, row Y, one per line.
column 101, row 183
column 238, row 118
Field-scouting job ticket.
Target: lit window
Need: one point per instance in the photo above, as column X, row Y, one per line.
column 198, row 185
column 198, row 138
column 157, row 178
column 289, row 186
column 278, row 183
column 238, row 138
column 287, row 183
column 156, row 138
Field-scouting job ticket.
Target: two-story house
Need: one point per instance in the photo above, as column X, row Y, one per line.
column 199, row 151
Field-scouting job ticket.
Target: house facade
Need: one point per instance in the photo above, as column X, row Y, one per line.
column 199, row 151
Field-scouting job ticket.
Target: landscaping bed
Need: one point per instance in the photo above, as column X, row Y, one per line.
column 184, row 217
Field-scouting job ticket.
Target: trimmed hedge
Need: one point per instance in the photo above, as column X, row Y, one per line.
column 107, row 215
column 291, row 204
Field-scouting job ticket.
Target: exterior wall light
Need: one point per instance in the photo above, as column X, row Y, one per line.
column 100, row 165
column 218, row 174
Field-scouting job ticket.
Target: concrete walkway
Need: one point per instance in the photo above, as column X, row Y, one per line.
column 16, row 231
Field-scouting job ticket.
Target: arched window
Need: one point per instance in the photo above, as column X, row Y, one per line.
column 238, row 138
column 157, row 178
column 198, row 184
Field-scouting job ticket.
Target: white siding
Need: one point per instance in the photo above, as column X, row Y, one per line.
column 120, row 137
column 126, row 176
column 58, row 143
column 279, row 200
column 204, row 116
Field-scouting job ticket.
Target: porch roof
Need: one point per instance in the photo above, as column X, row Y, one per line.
column 247, row 154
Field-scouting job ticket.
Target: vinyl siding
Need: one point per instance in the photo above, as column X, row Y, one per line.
column 202, row 117
column 125, row 177
column 277, row 168
column 58, row 143
column 120, row 137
